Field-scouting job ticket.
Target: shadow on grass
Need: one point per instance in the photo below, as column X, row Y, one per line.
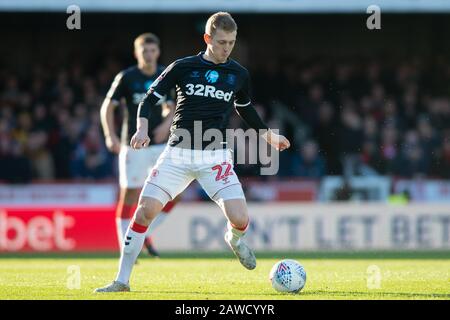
column 203, row 293
column 377, row 294
column 318, row 293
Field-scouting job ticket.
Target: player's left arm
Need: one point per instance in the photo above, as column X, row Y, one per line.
column 161, row 132
column 157, row 90
column 248, row 113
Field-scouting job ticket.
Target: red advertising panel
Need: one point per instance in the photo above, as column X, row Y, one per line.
column 56, row 229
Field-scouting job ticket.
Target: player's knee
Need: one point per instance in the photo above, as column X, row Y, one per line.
column 237, row 213
column 148, row 209
column 240, row 221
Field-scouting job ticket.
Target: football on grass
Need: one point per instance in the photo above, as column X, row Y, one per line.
column 288, row 276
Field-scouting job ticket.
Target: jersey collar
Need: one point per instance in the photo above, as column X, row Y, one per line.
column 200, row 55
column 146, row 75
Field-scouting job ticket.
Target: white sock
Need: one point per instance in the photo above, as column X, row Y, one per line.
column 155, row 223
column 132, row 246
column 121, row 227
column 234, row 235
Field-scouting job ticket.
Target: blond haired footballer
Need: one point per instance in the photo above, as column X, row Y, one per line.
column 209, row 85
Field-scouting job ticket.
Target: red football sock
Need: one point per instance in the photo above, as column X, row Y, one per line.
column 136, row 227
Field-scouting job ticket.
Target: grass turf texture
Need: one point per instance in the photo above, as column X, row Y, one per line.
column 220, row 276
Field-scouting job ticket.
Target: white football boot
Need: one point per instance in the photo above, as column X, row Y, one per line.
column 114, row 286
column 242, row 251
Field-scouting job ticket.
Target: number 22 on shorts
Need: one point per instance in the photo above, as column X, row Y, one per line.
column 220, row 168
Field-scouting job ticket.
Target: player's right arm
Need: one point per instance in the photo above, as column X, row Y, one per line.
column 111, row 101
column 158, row 89
column 107, row 119
column 140, row 139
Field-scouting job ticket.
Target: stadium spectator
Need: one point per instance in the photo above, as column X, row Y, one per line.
column 14, row 165
column 350, row 140
column 309, row 163
column 91, row 161
column 441, row 163
column 39, row 155
column 326, row 134
column 411, row 162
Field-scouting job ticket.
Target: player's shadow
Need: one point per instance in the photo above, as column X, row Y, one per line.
column 174, row 292
column 344, row 294
column 377, row 294
column 212, row 293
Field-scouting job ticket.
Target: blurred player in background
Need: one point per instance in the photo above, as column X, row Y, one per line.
column 209, row 86
column 128, row 89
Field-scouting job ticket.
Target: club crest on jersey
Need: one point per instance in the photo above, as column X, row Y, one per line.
column 154, row 173
column 211, row 76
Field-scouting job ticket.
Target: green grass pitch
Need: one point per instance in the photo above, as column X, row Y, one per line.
column 220, row 276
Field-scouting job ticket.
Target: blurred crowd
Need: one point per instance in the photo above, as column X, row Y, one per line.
column 355, row 117
column 50, row 124
column 360, row 116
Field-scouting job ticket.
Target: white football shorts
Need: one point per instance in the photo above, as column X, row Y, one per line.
column 136, row 165
column 177, row 167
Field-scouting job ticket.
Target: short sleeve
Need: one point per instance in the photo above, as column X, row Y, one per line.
column 243, row 96
column 116, row 92
column 165, row 82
